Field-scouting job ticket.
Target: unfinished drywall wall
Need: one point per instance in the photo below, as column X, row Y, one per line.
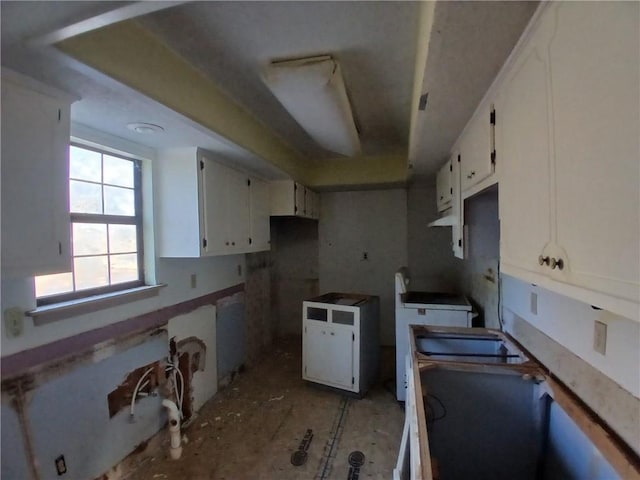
column 362, row 242
column 66, row 413
column 199, row 325
column 560, row 336
column 431, row 263
column 294, row 277
column 480, row 267
column 260, row 327
column 230, row 336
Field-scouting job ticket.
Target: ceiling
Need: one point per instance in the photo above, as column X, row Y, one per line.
column 230, row 43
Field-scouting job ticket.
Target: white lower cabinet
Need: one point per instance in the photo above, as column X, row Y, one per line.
column 36, row 232
column 569, row 109
column 206, row 208
column 340, row 344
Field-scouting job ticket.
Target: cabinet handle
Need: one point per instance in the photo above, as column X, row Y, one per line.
column 543, row 260
column 557, row 263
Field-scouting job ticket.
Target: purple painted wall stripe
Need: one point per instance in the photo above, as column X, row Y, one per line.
column 20, row 362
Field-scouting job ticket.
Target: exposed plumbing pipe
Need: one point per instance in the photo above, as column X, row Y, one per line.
column 136, row 390
column 174, row 428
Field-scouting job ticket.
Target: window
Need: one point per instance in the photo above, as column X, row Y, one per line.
column 105, row 202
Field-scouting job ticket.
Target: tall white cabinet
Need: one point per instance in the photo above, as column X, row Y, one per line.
column 35, row 178
column 207, row 208
column 569, row 193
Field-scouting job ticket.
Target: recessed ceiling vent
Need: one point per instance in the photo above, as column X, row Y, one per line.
column 313, row 92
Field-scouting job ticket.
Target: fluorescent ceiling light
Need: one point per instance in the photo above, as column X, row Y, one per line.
column 313, row 92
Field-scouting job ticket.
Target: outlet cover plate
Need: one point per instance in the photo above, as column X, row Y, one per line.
column 600, row 337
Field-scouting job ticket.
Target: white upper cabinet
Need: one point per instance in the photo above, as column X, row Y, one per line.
column 35, row 178
column 595, row 63
column 259, row 233
column 522, row 137
column 567, row 137
column 475, row 146
column 289, row 198
column 206, row 208
column 225, row 200
column 444, row 189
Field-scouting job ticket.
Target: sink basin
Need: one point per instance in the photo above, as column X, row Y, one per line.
column 485, row 347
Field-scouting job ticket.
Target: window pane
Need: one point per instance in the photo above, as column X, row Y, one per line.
column 84, row 164
column 89, row 238
column 124, row 268
column 85, row 197
column 91, row 272
column 119, row 201
column 118, row 171
column 54, row 284
column 122, row 239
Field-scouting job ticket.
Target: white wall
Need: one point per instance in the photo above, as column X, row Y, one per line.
column 571, row 323
column 352, row 223
column 431, row 264
column 294, row 250
column 480, row 267
column 213, row 274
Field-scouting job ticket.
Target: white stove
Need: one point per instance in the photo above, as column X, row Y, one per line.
column 423, row 308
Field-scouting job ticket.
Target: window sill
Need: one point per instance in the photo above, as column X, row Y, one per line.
column 59, row 311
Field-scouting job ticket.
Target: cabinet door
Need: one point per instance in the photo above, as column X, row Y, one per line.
column 35, row 182
column 214, row 206
column 328, row 354
column 259, row 213
column 444, row 190
column 475, row 149
column 595, row 65
column 522, row 138
column 298, row 195
column 238, row 210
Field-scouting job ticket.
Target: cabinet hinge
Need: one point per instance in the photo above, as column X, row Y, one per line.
column 458, row 158
column 353, row 337
column 248, row 182
column 450, row 168
column 59, row 248
column 493, row 157
column 295, row 209
column 250, row 241
column 201, row 165
column 204, row 243
column 59, row 115
column 353, row 380
column 422, row 104
column 460, row 242
column 492, row 117
column 295, row 187
column 451, row 191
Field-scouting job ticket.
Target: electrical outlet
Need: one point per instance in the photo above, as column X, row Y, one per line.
column 600, row 337
column 61, row 465
column 194, row 280
column 13, row 322
column 534, row 303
